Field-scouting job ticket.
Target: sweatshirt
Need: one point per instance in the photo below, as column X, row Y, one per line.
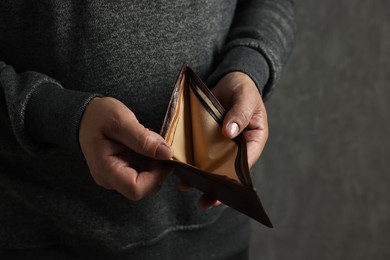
column 55, row 56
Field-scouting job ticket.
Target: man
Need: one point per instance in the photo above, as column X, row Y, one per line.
column 84, row 88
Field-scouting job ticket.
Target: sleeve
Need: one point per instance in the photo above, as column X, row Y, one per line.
column 259, row 42
column 37, row 113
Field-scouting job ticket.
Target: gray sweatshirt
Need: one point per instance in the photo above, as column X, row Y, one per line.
column 55, row 56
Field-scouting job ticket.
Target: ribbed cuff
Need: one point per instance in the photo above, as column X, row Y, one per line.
column 53, row 115
column 246, row 60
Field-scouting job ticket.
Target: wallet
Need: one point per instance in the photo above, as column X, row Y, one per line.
column 204, row 157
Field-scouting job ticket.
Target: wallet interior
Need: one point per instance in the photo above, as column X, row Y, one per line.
column 195, row 132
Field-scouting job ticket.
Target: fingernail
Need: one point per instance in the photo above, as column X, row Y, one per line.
column 163, row 152
column 233, row 129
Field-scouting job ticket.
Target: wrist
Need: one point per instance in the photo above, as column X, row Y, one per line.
column 53, row 115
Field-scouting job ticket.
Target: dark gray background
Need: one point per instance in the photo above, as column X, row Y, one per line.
column 324, row 176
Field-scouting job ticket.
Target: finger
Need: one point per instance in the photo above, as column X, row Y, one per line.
column 125, row 128
column 102, row 182
column 106, row 147
column 259, row 119
column 240, row 114
column 104, row 153
column 136, row 185
column 256, row 136
column 206, row 202
column 157, row 167
column 255, row 145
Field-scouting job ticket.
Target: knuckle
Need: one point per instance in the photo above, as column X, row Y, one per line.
column 266, row 135
column 115, row 124
column 117, row 120
column 103, row 172
column 263, row 116
column 144, row 141
column 102, row 184
column 99, row 181
column 263, row 119
column 136, row 195
column 245, row 116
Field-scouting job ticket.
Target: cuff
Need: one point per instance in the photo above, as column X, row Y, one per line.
column 53, row 115
column 246, row 60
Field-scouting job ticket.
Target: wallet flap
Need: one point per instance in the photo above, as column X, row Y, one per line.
column 238, row 197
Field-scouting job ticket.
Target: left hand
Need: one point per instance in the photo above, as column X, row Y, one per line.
column 246, row 113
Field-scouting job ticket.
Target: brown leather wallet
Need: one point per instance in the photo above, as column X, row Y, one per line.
column 207, row 160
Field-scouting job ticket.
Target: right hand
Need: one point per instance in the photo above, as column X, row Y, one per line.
column 108, row 130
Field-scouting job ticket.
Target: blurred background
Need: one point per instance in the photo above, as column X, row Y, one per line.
column 324, row 176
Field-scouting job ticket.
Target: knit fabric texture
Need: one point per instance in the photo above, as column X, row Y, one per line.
column 55, row 56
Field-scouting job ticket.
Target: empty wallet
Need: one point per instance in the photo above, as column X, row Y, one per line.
column 206, row 159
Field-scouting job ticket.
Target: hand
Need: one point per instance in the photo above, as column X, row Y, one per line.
column 108, row 130
column 245, row 113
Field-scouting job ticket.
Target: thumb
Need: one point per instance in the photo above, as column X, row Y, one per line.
column 126, row 129
column 148, row 143
column 238, row 117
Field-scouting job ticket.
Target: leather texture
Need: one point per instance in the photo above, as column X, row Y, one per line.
column 208, row 160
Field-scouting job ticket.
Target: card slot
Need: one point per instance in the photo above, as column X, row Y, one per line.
column 196, row 133
column 212, row 152
column 230, row 157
